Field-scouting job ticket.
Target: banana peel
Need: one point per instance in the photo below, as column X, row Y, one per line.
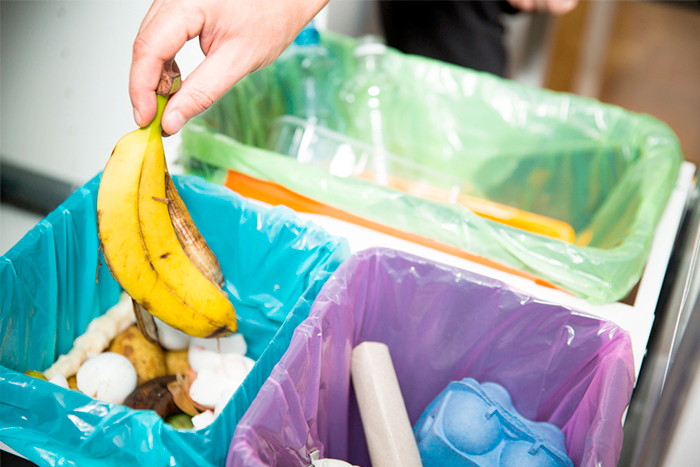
column 150, row 243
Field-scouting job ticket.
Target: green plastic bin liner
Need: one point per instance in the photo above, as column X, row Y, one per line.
column 274, row 265
column 606, row 171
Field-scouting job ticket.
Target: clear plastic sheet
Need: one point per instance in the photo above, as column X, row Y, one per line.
column 606, row 171
column 441, row 324
column 274, row 265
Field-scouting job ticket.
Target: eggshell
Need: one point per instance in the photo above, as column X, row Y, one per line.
column 203, row 420
column 171, row 338
column 207, row 388
column 214, row 388
column 203, row 359
column 233, row 344
column 109, row 377
column 225, row 396
column 236, row 367
column 59, row 380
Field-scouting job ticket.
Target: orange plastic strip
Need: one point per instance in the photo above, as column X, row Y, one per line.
column 497, row 212
column 274, row 194
column 520, row 219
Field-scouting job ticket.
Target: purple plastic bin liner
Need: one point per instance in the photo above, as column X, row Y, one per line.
column 471, row 424
column 441, row 324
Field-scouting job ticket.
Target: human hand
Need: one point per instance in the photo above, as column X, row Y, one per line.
column 236, row 36
column 556, row 7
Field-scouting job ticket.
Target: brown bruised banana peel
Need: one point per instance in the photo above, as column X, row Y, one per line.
column 150, row 243
column 189, row 237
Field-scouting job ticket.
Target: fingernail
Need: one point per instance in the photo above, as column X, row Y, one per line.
column 174, row 121
column 137, row 117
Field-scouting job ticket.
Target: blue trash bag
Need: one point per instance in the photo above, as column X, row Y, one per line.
column 53, row 286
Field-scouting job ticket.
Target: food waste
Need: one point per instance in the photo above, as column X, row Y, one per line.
column 149, row 241
column 186, row 380
column 165, row 346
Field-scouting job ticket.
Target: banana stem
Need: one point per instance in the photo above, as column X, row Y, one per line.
column 155, row 125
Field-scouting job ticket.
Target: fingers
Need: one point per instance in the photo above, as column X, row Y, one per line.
column 560, row 7
column 556, row 7
column 136, row 84
column 523, row 5
column 155, row 6
column 163, row 36
column 236, row 36
column 218, row 72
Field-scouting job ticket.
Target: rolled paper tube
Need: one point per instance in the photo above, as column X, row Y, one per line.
column 385, row 420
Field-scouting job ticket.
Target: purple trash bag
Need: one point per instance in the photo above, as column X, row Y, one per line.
column 441, row 324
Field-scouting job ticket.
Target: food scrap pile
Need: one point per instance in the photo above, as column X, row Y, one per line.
column 186, row 380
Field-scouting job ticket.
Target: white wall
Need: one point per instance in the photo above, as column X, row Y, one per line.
column 64, row 99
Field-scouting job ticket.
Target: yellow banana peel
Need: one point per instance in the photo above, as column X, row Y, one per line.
column 150, row 243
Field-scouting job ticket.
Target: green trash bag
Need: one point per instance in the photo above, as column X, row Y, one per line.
column 605, row 171
column 274, row 265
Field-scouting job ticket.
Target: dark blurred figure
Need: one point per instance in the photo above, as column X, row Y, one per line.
column 466, row 33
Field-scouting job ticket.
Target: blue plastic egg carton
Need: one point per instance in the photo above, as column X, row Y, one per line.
column 471, row 424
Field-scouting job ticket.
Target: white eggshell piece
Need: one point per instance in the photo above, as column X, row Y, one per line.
column 171, row 338
column 236, row 367
column 207, row 388
column 109, row 377
column 203, row 420
column 59, row 380
column 233, row 344
column 203, row 359
column 225, row 396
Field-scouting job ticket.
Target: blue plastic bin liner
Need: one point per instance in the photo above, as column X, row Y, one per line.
column 274, row 265
column 471, row 424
